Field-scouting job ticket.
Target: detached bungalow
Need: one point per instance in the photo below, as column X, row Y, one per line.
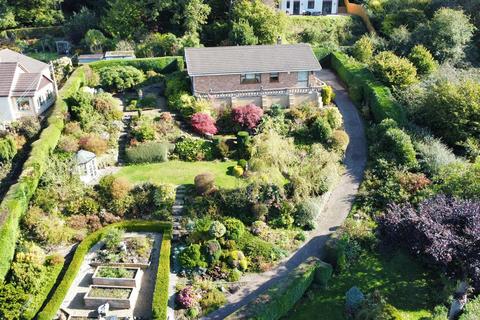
column 263, row 75
column 313, row 7
column 27, row 87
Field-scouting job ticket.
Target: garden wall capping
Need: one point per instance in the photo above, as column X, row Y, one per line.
column 120, row 265
column 122, row 282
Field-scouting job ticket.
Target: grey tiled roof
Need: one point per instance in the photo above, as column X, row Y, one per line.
column 26, row 84
column 7, row 74
column 30, row 64
column 250, row 59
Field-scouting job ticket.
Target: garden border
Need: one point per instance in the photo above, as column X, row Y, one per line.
column 160, row 298
column 15, row 203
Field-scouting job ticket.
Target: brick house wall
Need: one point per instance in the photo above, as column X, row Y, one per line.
column 227, row 83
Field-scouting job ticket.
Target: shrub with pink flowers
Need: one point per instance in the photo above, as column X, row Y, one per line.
column 203, row 123
column 187, row 297
column 247, row 116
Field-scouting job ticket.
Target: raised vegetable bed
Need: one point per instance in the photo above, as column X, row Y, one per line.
column 117, row 276
column 118, row 297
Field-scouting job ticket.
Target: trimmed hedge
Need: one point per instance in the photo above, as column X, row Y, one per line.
column 34, row 33
column 280, row 298
column 15, row 202
column 55, row 302
column 160, row 295
column 363, row 88
column 160, row 64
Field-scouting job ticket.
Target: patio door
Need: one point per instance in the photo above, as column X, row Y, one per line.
column 296, row 7
column 303, row 79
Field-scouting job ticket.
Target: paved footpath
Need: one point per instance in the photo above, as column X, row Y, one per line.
column 335, row 212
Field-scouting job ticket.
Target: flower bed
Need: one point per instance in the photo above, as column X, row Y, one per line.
column 117, row 297
column 116, row 276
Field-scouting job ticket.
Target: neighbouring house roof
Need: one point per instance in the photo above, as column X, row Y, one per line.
column 113, row 54
column 84, row 156
column 30, row 64
column 7, row 72
column 250, row 59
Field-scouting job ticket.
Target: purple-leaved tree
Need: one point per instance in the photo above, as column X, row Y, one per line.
column 444, row 231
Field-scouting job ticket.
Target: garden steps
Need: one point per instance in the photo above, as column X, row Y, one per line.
column 177, row 210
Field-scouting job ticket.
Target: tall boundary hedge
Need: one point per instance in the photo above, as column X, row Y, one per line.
column 15, row 203
column 160, row 64
column 55, row 302
column 280, row 298
column 363, row 88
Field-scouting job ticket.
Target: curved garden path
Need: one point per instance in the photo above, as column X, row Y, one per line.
column 335, row 212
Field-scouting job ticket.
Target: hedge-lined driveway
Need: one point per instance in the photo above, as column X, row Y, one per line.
column 335, row 212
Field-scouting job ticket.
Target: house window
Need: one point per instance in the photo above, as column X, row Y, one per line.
column 274, row 77
column 288, row 4
column 250, row 78
column 311, row 5
column 23, row 104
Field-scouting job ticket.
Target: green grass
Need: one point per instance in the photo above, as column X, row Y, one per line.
column 405, row 284
column 180, row 172
column 44, row 56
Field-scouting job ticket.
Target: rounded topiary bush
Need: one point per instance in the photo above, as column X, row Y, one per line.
column 235, row 228
column 217, row 229
column 204, row 183
column 340, row 140
column 237, row 171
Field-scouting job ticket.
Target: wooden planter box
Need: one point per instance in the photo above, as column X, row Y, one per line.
column 116, row 303
column 118, row 282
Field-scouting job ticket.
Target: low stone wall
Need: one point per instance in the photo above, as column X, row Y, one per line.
column 122, row 265
column 120, row 282
column 266, row 101
column 115, row 303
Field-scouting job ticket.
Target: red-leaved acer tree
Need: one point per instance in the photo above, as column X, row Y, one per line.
column 204, row 123
column 247, row 116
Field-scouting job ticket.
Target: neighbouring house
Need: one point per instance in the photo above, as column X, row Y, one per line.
column 27, row 87
column 263, row 75
column 313, row 7
column 88, row 58
column 86, row 165
column 110, row 55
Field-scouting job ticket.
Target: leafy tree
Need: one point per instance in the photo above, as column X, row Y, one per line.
column 363, row 49
column 79, row 23
column 203, row 123
column 448, row 34
column 242, row 33
column 247, row 116
column 452, row 110
column 196, row 13
column 37, row 13
column 445, row 231
column 267, row 24
column 157, row 44
column 7, row 17
column 95, row 40
column 422, row 59
column 125, row 19
column 459, row 179
column 393, row 70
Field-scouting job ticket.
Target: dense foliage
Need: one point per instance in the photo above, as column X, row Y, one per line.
column 444, row 231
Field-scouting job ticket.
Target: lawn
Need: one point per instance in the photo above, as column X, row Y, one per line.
column 404, row 283
column 180, row 172
column 44, row 56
